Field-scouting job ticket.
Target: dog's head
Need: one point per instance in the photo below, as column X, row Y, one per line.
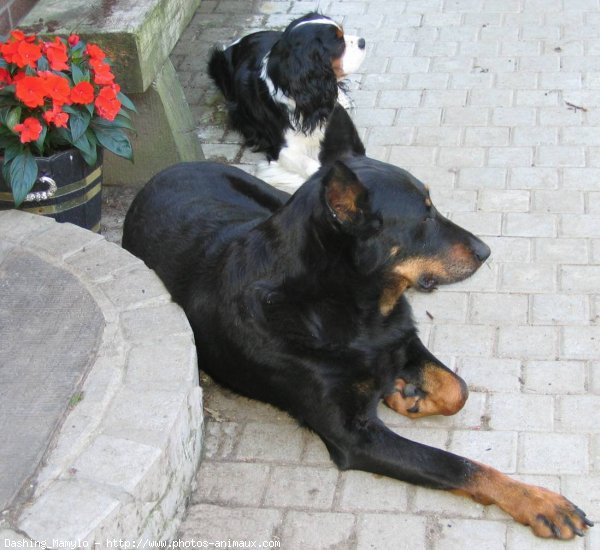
column 307, row 62
column 385, row 217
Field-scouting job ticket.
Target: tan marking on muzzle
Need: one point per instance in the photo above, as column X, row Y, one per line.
column 404, row 275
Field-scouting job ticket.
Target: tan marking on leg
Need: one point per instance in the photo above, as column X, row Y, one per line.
column 547, row 513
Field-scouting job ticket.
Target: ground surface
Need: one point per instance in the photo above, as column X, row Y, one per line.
column 495, row 105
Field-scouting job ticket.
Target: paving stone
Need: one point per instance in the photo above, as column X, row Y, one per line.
column 461, row 116
column 231, row 483
column 558, row 201
column 482, row 178
column 363, row 491
column 454, row 532
column 579, row 278
column 585, row 226
column 210, row 523
column 271, row 442
column 461, row 157
column 528, row 277
column 510, row 249
column 163, row 365
column 561, row 251
column 533, row 178
column 580, row 342
column 561, row 156
column 441, row 307
column 497, row 449
column 134, row 288
column 554, row 377
column 490, row 374
column 318, row 530
column 578, row 413
column 301, row 487
column 479, row 223
column 383, row 531
column 554, row 309
column 504, row 201
column 67, row 512
column 143, row 325
column 527, row 341
column 522, row 412
column 517, row 224
column 498, row 309
column 553, row 453
column 460, row 340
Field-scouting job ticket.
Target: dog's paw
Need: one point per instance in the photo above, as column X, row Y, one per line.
column 441, row 392
column 549, row 514
column 405, row 399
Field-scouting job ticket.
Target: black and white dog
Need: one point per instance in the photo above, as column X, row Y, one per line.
column 281, row 87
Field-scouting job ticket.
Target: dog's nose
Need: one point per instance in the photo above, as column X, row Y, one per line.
column 361, row 43
column 481, row 250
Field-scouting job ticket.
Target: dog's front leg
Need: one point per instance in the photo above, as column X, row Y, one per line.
column 298, row 162
column 425, row 386
column 372, row 447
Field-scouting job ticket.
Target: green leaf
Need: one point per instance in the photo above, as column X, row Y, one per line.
column 42, row 64
column 115, row 141
column 22, row 173
column 4, row 111
column 79, row 120
column 87, row 148
column 126, row 102
column 78, row 74
column 13, row 150
column 39, row 143
column 13, row 118
column 119, row 122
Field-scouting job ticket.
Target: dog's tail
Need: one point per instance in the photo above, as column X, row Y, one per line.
column 219, row 69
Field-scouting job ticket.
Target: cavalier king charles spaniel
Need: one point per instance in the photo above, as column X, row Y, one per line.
column 280, row 88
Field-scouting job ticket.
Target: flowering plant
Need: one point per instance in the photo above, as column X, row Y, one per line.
column 54, row 95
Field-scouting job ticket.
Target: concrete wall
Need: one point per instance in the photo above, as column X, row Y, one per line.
column 12, row 11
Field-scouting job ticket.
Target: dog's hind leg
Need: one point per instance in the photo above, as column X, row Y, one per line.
column 425, row 387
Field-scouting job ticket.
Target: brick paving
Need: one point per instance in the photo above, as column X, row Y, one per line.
column 493, row 103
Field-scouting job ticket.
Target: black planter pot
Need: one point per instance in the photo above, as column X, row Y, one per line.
column 77, row 197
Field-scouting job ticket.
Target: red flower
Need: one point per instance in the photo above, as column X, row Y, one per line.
column 107, row 103
column 95, row 52
column 27, row 54
column 5, row 77
column 57, row 54
column 82, row 93
column 31, row 91
column 102, row 72
column 73, row 40
column 56, row 87
column 9, row 51
column 57, row 117
column 29, row 130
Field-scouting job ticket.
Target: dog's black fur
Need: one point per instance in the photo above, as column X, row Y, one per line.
column 299, row 67
column 299, row 302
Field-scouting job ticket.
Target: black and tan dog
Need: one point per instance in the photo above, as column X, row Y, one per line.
column 299, row 301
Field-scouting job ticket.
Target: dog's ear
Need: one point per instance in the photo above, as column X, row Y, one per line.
column 341, row 138
column 345, row 197
column 305, row 74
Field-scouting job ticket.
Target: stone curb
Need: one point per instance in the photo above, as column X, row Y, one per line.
column 124, row 459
